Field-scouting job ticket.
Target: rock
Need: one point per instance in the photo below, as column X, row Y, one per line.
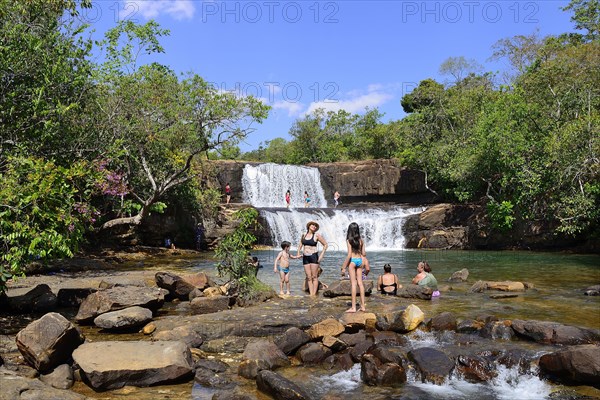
column 574, row 365
column 497, row 330
column 334, row 344
column 469, row 326
column 212, row 292
column 352, row 339
column 119, row 298
column 401, row 321
column 503, row 296
column 478, row 287
column 262, row 354
column 73, row 297
column 279, row 387
column 445, row 321
column 506, row 286
column 291, row 340
column 15, row 387
column 375, row 373
column 126, row 318
column 415, row 292
column 60, row 378
column 48, row 342
column 149, row 328
column 592, row 291
column 459, row 276
column 327, row 327
column 209, row 305
column 433, row 364
column 186, row 334
column 112, row 365
column 388, row 338
column 177, row 286
column 208, row 377
column 227, row 344
column 357, row 320
column 360, row 349
column 343, row 288
column 313, row 353
column 388, row 354
column 195, row 293
column 555, row 333
column 475, row 369
column 40, row 299
column 339, row 361
column 231, row 395
column 213, row 365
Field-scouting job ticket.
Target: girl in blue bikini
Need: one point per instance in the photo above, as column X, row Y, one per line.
column 355, row 261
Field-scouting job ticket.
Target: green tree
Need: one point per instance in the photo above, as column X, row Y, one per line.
column 586, row 16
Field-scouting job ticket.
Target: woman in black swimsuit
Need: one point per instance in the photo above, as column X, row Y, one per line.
column 311, row 258
column 388, row 283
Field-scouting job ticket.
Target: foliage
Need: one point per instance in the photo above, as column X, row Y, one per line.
column 501, row 215
column 43, row 212
column 233, row 250
column 586, row 16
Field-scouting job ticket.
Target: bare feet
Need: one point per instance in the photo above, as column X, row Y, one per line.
column 281, row 293
column 363, row 309
column 351, row 310
column 288, row 293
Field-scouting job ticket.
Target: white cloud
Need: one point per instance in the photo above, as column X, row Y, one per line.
column 177, row 9
column 356, row 100
column 293, row 109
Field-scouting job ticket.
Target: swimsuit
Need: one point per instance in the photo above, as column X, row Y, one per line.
column 357, row 261
column 392, row 293
column 314, row 257
column 284, row 270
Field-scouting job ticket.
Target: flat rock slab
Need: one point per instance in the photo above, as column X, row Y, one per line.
column 112, row 365
column 343, row 288
column 130, row 317
column 19, row 387
column 119, row 298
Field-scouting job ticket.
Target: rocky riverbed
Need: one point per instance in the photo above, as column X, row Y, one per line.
column 139, row 325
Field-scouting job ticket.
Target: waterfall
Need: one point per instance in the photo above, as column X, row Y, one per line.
column 265, row 186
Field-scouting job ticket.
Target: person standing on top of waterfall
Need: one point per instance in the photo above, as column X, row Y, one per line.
column 311, row 258
column 288, row 198
column 336, row 198
column 306, row 199
column 227, row 193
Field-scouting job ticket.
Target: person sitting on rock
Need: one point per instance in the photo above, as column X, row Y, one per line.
column 425, row 278
column 388, row 283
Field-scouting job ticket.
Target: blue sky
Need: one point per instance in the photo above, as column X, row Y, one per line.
column 300, row 55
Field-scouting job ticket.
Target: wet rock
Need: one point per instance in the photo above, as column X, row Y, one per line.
column 503, row 296
column 206, row 377
column 497, row 330
column 19, row 387
column 388, row 338
column 401, row 321
column 478, row 287
column 119, row 298
column 573, row 365
column 515, row 357
column 313, row 353
column 261, row 354
column 445, row 321
column 37, row 300
column 459, row 276
column 112, row 365
column 291, row 340
column 434, row 365
column 48, row 342
column 339, row 361
column 126, row 318
column 186, row 334
column 334, row 343
column 505, row 286
column 209, row 305
column 357, row 320
column 469, row 326
column 352, row 339
column 213, row 365
column 73, row 297
column 592, row 291
column 343, row 288
column 375, row 373
column 475, row 369
column 60, row 378
column 279, row 387
column 327, row 327
column 555, row 333
column 384, row 354
column 360, row 349
column 415, row 292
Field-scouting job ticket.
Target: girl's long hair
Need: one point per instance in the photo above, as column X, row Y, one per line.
column 353, row 236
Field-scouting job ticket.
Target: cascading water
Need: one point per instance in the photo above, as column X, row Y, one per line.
column 265, row 186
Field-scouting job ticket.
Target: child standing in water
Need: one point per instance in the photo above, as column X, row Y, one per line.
column 354, row 261
column 282, row 265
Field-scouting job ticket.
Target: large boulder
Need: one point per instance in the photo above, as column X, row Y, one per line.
column 259, row 355
column 573, row 365
column 112, row 365
column 459, row 276
column 434, row 365
column 291, row 340
column 327, row 327
column 118, row 298
column 15, row 387
column 415, row 292
column 127, row 318
column 48, row 342
column 554, row 333
column 376, row 373
column 181, row 286
column 505, row 286
column 343, row 288
column 445, row 321
column 209, row 305
column 279, row 387
column 313, row 353
column 37, row 300
column 401, row 321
